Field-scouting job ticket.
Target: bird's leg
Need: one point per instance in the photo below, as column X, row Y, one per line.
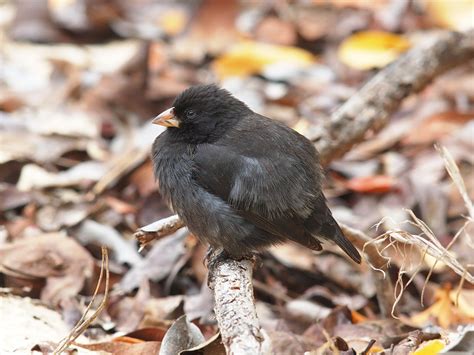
column 210, row 254
column 211, row 260
column 213, row 256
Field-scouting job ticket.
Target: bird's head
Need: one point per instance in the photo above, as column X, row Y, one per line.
column 202, row 113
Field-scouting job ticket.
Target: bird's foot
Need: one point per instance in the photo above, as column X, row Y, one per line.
column 214, row 256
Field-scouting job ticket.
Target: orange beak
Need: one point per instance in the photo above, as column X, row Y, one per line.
column 166, row 118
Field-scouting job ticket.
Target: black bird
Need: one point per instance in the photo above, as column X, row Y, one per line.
column 241, row 181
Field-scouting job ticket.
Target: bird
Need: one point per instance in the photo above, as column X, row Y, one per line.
column 240, row 181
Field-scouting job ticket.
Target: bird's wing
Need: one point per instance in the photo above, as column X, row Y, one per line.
column 272, row 186
column 270, row 193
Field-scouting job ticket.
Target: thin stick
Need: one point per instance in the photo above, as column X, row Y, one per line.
column 83, row 323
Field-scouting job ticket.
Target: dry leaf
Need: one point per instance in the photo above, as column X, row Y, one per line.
column 158, row 263
column 369, row 4
column 443, row 311
column 51, row 218
column 23, row 145
column 371, row 49
column 25, row 323
column 35, row 177
column 436, row 127
column 11, row 197
column 465, row 301
column 371, row 184
column 65, row 121
column 173, row 21
column 212, row 346
column 60, row 259
column 182, row 335
column 247, row 57
column 161, row 311
column 456, row 15
column 123, row 348
column 430, row 347
column 124, row 251
column 274, row 30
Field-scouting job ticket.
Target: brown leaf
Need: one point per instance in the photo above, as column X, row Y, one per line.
column 120, row 206
column 25, row 323
column 182, row 335
column 128, row 312
column 162, row 311
column 124, row 251
column 61, row 260
column 275, row 30
column 443, row 312
column 144, row 179
column 212, row 346
column 212, row 30
column 124, row 348
column 24, row 145
column 158, row 263
column 436, row 127
column 52, row 218
column 11, row 197
column 146, row 334
column 33, row 23
column 35, row 177
column 287, row 343
column 371, row 184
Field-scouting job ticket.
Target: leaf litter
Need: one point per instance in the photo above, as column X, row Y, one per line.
column 81, row 82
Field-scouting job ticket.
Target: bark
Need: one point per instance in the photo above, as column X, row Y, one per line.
column 235, row 307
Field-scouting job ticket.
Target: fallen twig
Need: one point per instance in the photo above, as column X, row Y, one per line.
column 84, row 322
column 158, row 229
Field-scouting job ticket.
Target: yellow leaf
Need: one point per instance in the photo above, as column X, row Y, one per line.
column 431, row 347
column 444, row 311
column 465, row 301
column 247, row 57
column 371, row 49
column 173, row 21
column 452, row 14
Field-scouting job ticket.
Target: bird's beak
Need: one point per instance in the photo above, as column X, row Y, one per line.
column 166, row 118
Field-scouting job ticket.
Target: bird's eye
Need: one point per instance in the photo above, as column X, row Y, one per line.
column 190, row 114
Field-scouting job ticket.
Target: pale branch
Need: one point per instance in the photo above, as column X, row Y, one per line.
column 235, row 307
column 158, row 229
column 368, row 110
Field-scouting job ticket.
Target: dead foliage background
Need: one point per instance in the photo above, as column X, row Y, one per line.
column 79, row 82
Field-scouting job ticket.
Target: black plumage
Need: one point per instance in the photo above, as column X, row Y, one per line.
column 241, row 181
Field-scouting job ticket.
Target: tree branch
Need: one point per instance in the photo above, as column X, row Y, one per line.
column 370, row 108
column 367, row 110
column 235, row 307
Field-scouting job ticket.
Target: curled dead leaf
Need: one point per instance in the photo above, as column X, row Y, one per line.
column 182, row 335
